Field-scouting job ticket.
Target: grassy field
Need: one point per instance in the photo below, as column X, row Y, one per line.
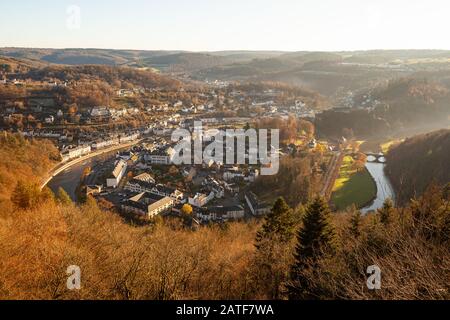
column 353, row 187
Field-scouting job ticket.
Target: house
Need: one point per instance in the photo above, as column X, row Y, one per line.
column 209, row 120
column 125, row 155
column 139, row 186
column 161, row 157
column 129, row 138
column 100, row 112
column 147, row 204
column 257, row 207
column 93, row 190
column 252, row 175
column 146, row 177
column 117, row 174
column 178, row 104
column 73, row 153
column 172, row 193
column 49, row 119
column 312, row 144
column 100, row 144
column 221, row 213
column 125, row 93
column 201, row 199
column 232, row 173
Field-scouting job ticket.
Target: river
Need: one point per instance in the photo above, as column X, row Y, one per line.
column 384, row 187
column 70, row 178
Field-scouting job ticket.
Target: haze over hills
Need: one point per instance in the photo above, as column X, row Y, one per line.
column 325, row 72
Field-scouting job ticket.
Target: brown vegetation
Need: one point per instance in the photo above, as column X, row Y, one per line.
column 417, row 162
column 234, row 261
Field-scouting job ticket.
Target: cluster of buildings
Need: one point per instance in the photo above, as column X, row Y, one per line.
column 215, row 198
column 86, row 147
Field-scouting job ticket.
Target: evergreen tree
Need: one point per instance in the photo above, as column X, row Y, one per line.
column 355, row 224
column 386, row 212
column 280, row 223
column 21, row 196
column 29, row 196
column 315, row 239
column 273, row 254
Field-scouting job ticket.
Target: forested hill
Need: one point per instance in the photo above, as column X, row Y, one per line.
column 416, row 163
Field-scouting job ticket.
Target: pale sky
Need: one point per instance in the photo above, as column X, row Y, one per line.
column 212, row 25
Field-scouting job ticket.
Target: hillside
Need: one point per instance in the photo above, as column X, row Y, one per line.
column 166, row 60
column 143, row 78
column 403, row 106
column 166, row 260
column 23, row 160
column 81, row 56
column 419, row 161
column 186, row 61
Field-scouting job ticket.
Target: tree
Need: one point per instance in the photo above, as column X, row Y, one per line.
column 278, row 223
column 20, row 196
column 386, row 212
column 29, row 196
column 273, row 254
column 315, row 238
column 355, row 224
column 187, row 210
column 73, row 109
column 63, row 197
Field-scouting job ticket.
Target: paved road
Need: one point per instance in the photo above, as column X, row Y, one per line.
column 65, row 166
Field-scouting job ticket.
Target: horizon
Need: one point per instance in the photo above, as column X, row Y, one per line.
column 213, row 26
column 219, row 51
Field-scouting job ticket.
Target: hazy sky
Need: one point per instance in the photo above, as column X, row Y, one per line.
column 212, row 25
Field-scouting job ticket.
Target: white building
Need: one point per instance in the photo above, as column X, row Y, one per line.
column 200, row 199
column 100, row 144
column 49, row 119
column 100, row 112
column 257, row 207
column 75, row 152
column 222, row 213
column 161, row 158
column 148, row 205
column 129, row 138
column 116, row 176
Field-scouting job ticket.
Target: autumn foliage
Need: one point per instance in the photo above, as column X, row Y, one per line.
column 308, row 252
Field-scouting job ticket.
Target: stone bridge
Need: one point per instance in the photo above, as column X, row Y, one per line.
column 375, row 157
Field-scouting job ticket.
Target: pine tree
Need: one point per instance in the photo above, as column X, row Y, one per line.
column 355, row 224
column 29, row 196
column 315, row 238
column 21, row 196
column 63, row 197
column 386, row 212
column 273, row 243
column 280, row 223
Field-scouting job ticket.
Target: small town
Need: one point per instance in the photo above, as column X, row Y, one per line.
column 215, row 159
